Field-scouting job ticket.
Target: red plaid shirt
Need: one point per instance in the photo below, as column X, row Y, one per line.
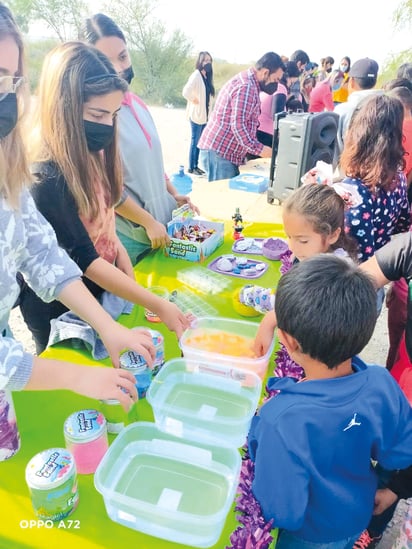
column 231, row 130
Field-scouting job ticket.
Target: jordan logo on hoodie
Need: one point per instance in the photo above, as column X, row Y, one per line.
column 352, row 423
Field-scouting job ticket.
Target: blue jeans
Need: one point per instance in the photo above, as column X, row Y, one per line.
column 288, row 541
column 197, row 130
column 217, row 167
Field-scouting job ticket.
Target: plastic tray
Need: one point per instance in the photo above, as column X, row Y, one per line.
column 243, row 272
column 201, row 279
column 254, row 249
column 189, row 302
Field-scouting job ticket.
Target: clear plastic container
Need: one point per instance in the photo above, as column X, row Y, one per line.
column 205, row 402
column 85, row 433
column 224, row 341
column 167, row 486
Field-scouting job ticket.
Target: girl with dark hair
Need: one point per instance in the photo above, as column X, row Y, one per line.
column 197, row 92
column 341, row 95
column 149, row 197
column 79, row 180
column 28, row 245
column 313, row 220
column 373, row 162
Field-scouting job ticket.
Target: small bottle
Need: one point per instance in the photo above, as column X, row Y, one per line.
column 9, row 434
column 181, row 181
column 85, row 433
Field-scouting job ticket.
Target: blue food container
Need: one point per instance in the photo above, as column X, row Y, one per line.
column 249, row 182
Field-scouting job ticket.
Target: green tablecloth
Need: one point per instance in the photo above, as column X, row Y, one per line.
column 40, row 417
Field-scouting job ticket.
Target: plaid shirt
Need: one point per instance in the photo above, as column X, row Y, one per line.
column 231, row 130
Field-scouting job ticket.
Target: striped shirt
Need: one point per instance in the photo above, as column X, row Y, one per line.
column 231, row 130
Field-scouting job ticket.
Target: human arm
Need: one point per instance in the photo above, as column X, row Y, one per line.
column 189, row 89
column 244, row 121
column 359, row 222
column 398, row 487
column 155, row 230
column 403, row 221
column 391, row 262
column 21, row 371
column 180, row 198
column 94, row 382
column 265, row 333
column 123, row 261
column 115, row 337
column 111, row 279
column 275, row 463
column 73, row 236
column 328, row 98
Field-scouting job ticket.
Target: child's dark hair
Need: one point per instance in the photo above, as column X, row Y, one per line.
column 321, row 206
column 329, row 306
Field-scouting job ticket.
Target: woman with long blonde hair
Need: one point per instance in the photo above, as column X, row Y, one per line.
column 79, row 180
column 28, row 245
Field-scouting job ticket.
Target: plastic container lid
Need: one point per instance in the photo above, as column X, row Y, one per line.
column 132, row 362
column 84, row 426
column 50, row 468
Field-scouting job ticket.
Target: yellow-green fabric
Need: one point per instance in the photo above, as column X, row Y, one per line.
column 40, row 417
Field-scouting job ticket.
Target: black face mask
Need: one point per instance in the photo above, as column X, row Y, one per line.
column 268, row 88
column 207, row 67
column 8, row 114
column 127, row 74
column 98, row 136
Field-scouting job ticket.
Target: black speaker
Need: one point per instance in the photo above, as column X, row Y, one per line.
column 304, row 138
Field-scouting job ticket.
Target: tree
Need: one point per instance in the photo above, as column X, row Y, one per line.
column 402, row 16
column 63, row 17
column 160, row 57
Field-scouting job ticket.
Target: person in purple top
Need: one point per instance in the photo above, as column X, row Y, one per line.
column 230, row 133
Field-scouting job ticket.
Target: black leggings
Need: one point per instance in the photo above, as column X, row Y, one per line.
column 37, row 314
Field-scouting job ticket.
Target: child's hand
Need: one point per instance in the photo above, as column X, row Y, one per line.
column 174, row 318
column 106, row 383
column 265, row 334
column 118, row 338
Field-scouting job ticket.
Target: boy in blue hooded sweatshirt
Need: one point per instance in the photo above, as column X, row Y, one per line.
column 313, row 443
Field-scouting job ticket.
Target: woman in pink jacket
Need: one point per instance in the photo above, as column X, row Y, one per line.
column 321, row 98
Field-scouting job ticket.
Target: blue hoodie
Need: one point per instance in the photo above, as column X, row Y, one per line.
column 313, row 443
